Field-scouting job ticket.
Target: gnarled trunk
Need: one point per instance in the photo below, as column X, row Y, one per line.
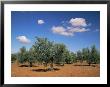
column 51, row 64
column 89, row 63
column 30, row 64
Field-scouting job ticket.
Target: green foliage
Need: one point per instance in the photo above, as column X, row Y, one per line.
column 97, row 59
column 79, row 56
column 94, row 55
column 84, row 53
column 31, row 57
column 42, row 46
column 59, row 50
column 73, row 57
column 90, row 55
column 68, row 57
column 22, row 55
column 47, row 52
column 13, row 57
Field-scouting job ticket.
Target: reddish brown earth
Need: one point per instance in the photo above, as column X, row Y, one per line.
column 68, row 70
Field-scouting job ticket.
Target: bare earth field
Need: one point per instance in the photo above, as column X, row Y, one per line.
column 68, row 70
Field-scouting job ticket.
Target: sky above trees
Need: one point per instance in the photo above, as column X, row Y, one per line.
column 76, row 29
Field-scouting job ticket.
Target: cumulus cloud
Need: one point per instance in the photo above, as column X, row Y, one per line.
column 40, row 21
column 61, row 31
column 23, row 39
column 73, row 30
column 69, row 28
column 67, row 32
column 77, row 22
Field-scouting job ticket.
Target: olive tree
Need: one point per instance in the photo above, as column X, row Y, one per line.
column 59, row 53
column 22, row 55
column 13, row 57
column 43, row 51
column 73, row 57
column 48, row 52
column 95, row 55
column 31, row 57
column 68, row 57
column 79, row 56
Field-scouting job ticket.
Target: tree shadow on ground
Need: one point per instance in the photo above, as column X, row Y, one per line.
column 80, row 65
column 45, row 70
column 59, row 65
column 27, row 66
column 85, row 65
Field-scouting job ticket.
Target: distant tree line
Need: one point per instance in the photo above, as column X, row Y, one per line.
column 49, row 53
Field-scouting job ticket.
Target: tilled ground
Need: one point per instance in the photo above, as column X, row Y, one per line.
column 68, row 70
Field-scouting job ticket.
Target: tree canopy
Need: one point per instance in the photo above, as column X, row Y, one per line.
column 47, row 52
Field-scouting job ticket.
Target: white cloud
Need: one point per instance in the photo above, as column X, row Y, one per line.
column 77, row 29
column 69, row 28
column 23, row 39
column 77, row 22
column 67, row 32
column 61, row 31
column 40, row 21
column 58, row 29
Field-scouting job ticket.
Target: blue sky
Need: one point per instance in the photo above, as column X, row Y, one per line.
column 76, row 29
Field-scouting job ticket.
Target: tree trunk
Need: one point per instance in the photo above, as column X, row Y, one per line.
column 51, row 64
column 30, row 64
column 45, row 66
column 89, row 64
